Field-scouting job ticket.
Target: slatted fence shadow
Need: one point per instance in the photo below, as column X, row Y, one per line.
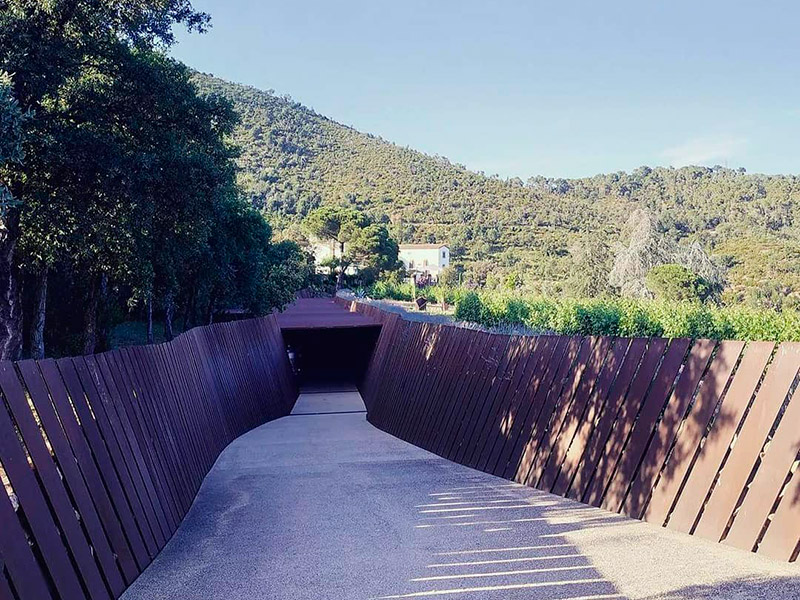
column 698, row 436
column 101, row 456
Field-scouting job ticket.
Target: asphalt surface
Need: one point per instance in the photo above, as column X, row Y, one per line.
column 321, row 505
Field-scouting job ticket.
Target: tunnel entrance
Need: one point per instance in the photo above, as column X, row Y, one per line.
column 329, row 345
column 330, row 359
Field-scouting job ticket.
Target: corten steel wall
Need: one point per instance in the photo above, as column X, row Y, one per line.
column 102, row 455
column 701, row 437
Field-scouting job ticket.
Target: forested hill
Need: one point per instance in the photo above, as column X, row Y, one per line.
column 548, row 230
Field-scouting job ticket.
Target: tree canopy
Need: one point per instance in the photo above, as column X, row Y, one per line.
column 124, row 180
column 360, row 242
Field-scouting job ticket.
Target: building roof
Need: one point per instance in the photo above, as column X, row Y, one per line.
column 422, row 246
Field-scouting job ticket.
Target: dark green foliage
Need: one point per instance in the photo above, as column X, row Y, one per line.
column 126, row 199
column 470, row 308
column 628, row 317
column 673, row 283
column 12, row 120
column 358, row 240
column 560, row 235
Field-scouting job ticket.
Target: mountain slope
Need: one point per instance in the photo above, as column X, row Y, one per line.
column 293, row 159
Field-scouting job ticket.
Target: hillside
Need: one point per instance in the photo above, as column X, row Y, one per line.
column 292, row 159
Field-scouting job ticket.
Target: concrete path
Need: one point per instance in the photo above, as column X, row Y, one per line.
column 321, row 505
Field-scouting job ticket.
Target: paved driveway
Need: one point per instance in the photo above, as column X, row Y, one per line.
column 321, row 505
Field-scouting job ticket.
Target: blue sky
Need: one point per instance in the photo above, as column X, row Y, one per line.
column 565, row 88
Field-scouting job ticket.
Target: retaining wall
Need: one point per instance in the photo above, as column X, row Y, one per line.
column 101, row 456
column 698, row 436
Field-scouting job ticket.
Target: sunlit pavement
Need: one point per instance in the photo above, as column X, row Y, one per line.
column 321, row 505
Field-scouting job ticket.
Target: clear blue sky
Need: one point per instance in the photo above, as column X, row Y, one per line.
column 558, row 88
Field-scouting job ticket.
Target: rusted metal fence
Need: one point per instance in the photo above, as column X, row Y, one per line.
column 698, row 436
column 101, row 456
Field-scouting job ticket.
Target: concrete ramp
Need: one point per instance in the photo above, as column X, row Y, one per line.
column 326, row 507
column 322, row 402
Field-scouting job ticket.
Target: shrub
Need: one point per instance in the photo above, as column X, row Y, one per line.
column 611, row 316
column 470, row 308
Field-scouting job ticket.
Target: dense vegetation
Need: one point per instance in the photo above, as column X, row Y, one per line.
column 117, row 182
column 555, row 236
column 362, row 250
column 604, row 316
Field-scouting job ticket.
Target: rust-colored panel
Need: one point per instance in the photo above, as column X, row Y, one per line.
column 5, row 586
column 783, row 534
column 131, row 435
column 522, row 410
column 25, row 572
column 115, row 368
column 551, row 428
column 453, row 373
column 688, row 441
column 140, row 473
column 576, row 413
column 448, row 370
column 583, row 426
column 160, row 424
column 545, row 402
column 476, row 340
column 643, row 428
column 771, row 474
column 629, row 410
column 706, row 466
column 488, row 404
column 587, row 464
column 90, row 469
column 487, row 377
column 521, row 443
column 501, row 424
column 69, row 467
column 119, row 460
column 323, row 313
column 420, row 392
column 519, row 352
column 757, row 424
column 396, row 377
column 485, row 364
column 667, row 427
column 33, row 502
column 63, row 511
column 405, row 375
column 441, row 348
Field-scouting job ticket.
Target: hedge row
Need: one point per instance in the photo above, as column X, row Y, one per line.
column 625, row 317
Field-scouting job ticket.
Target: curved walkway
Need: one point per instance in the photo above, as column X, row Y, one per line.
column 321, row 505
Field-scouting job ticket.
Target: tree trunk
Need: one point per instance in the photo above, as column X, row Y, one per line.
column 38, row 317
column 340, row 276
column 10, row 298
column 103, row 328
column 188, row 314
column 90, row 318
column 150, row 336
column 212, row 299
column 169, row 312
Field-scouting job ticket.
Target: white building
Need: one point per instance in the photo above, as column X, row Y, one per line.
column 427, row 259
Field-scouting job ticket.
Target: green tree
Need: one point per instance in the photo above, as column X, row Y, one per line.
column 359, row 241
column 51, row 48
column 673, row 283
column 12, row 120
column 373, row 251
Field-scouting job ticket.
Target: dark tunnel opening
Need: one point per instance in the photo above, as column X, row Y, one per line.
column 330, row 359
